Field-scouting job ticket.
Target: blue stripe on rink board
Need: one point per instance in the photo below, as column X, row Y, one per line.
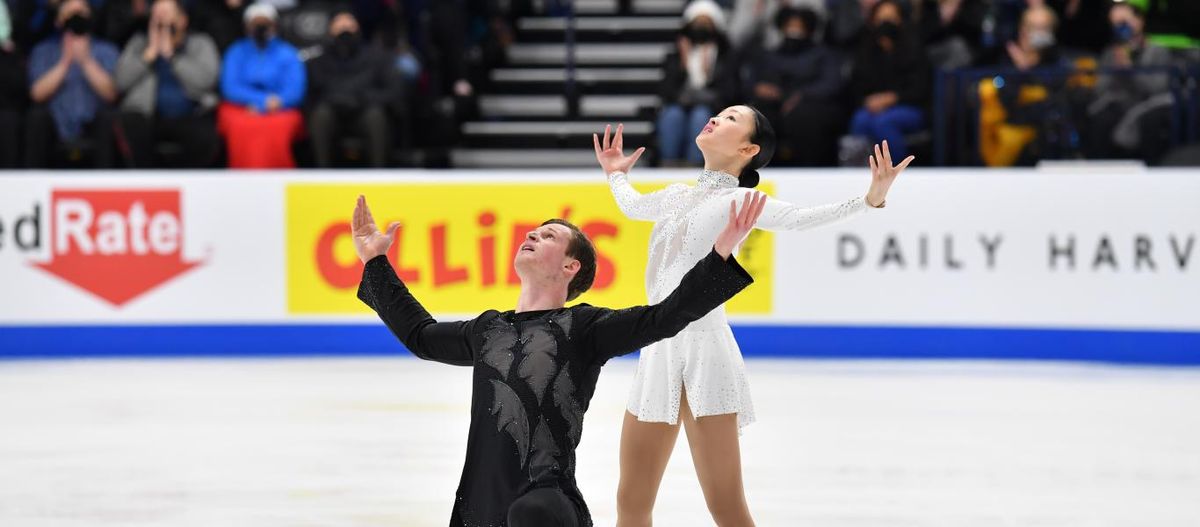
column 842, row 342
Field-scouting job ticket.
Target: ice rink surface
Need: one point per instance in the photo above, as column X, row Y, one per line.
column 375, row 442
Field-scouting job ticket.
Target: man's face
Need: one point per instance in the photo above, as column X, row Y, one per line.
column 167, row 13
column 1037, row 22
column 543, row 254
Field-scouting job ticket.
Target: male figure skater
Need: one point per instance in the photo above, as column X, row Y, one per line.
column 535, row 367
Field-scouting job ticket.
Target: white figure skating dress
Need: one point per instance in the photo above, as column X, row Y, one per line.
column 703, row 359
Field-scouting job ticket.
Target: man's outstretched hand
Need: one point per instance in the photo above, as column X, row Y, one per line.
column 368, row 241
column 740, row 222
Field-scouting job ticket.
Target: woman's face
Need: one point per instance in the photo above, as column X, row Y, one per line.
column 728, row 134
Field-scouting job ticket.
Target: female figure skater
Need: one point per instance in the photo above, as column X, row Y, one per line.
column 698, row 376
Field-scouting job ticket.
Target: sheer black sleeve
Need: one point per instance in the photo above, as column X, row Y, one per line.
column 710, row 283
column 448, row 342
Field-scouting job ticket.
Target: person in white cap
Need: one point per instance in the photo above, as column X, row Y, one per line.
column 263, row 83
column 698, row 78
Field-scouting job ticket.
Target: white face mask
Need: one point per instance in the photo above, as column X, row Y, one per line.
column 1041, row 39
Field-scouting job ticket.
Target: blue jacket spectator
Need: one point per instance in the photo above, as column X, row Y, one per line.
column 251, row 74
column 796, row 86
column 263, row 82
column 890, row 81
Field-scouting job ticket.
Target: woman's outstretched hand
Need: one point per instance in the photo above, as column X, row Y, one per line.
column 883, row 174
column 740, row 222
column 610, row 155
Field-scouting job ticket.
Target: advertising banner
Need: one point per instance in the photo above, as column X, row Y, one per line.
column 961, row 263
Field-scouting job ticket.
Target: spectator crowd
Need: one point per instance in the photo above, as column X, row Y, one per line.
column 206, row 83
column 835, row 76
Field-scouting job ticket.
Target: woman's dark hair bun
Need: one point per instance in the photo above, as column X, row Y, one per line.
column 764, row 137
column 749, row 178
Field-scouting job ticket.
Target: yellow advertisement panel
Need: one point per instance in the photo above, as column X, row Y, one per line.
column 457, row 240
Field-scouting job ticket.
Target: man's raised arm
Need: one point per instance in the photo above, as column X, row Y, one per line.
column 712, row 281
column 384, row 292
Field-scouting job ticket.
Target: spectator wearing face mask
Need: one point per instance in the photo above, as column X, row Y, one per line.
column 796, row 86
column 1015, row 109
column 263, row 84
column 1036, row 44
column 354, row 88
column 72, row 88
column 891, row 80
column 698, row 77
column 1127, row 102
column 168, row 78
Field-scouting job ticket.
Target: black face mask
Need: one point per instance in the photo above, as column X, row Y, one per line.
column 889, row 30
column 701, row 35
column 346, row 43
column 795, row 45
column 261, row 34
column 78, row 24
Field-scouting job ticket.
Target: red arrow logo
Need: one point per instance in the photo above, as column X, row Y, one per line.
column 116, row 244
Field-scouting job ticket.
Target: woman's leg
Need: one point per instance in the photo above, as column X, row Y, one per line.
column 718, row 460
column 645, row 450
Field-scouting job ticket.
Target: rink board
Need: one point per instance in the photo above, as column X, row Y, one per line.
column 1092, row 264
